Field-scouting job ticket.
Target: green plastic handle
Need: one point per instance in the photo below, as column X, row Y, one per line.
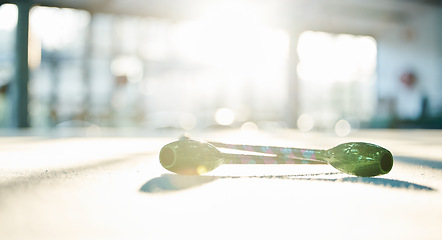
column 192, row 157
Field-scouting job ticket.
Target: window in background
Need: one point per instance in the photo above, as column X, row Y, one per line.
column 337, row 75
column 8, row 22
column 124, row 71
column 215, row 65
column 57, row 49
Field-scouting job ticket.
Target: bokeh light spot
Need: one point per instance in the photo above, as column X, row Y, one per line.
column 342, row 128
column 187, row 121
column 249, row 127
column 305, row 122
column 224, row 116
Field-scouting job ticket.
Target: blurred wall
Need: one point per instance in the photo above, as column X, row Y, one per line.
column 407, row 33
column 415, row 44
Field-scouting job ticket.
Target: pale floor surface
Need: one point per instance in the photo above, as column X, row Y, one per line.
column 114, row 188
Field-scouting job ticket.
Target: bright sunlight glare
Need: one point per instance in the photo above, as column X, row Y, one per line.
column 239, row 41
column 8, row 16
column 341, row 70
column 236, row 59
column 340, row 57
column 57, row 27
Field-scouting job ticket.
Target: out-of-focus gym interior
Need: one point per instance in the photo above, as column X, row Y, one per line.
column 102, row 100
column 311, row 65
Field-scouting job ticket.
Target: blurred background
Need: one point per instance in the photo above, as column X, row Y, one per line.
column 314, row 65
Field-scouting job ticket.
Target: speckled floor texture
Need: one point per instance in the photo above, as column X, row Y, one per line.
column 110, row 185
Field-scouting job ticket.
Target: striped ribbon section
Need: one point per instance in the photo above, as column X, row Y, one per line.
column 279, row 151
column 257, row 159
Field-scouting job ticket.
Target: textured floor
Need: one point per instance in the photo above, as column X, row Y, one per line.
column 76, row 186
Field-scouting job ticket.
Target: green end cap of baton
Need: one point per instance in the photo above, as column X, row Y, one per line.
column 190, row 157
column 360, row 159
